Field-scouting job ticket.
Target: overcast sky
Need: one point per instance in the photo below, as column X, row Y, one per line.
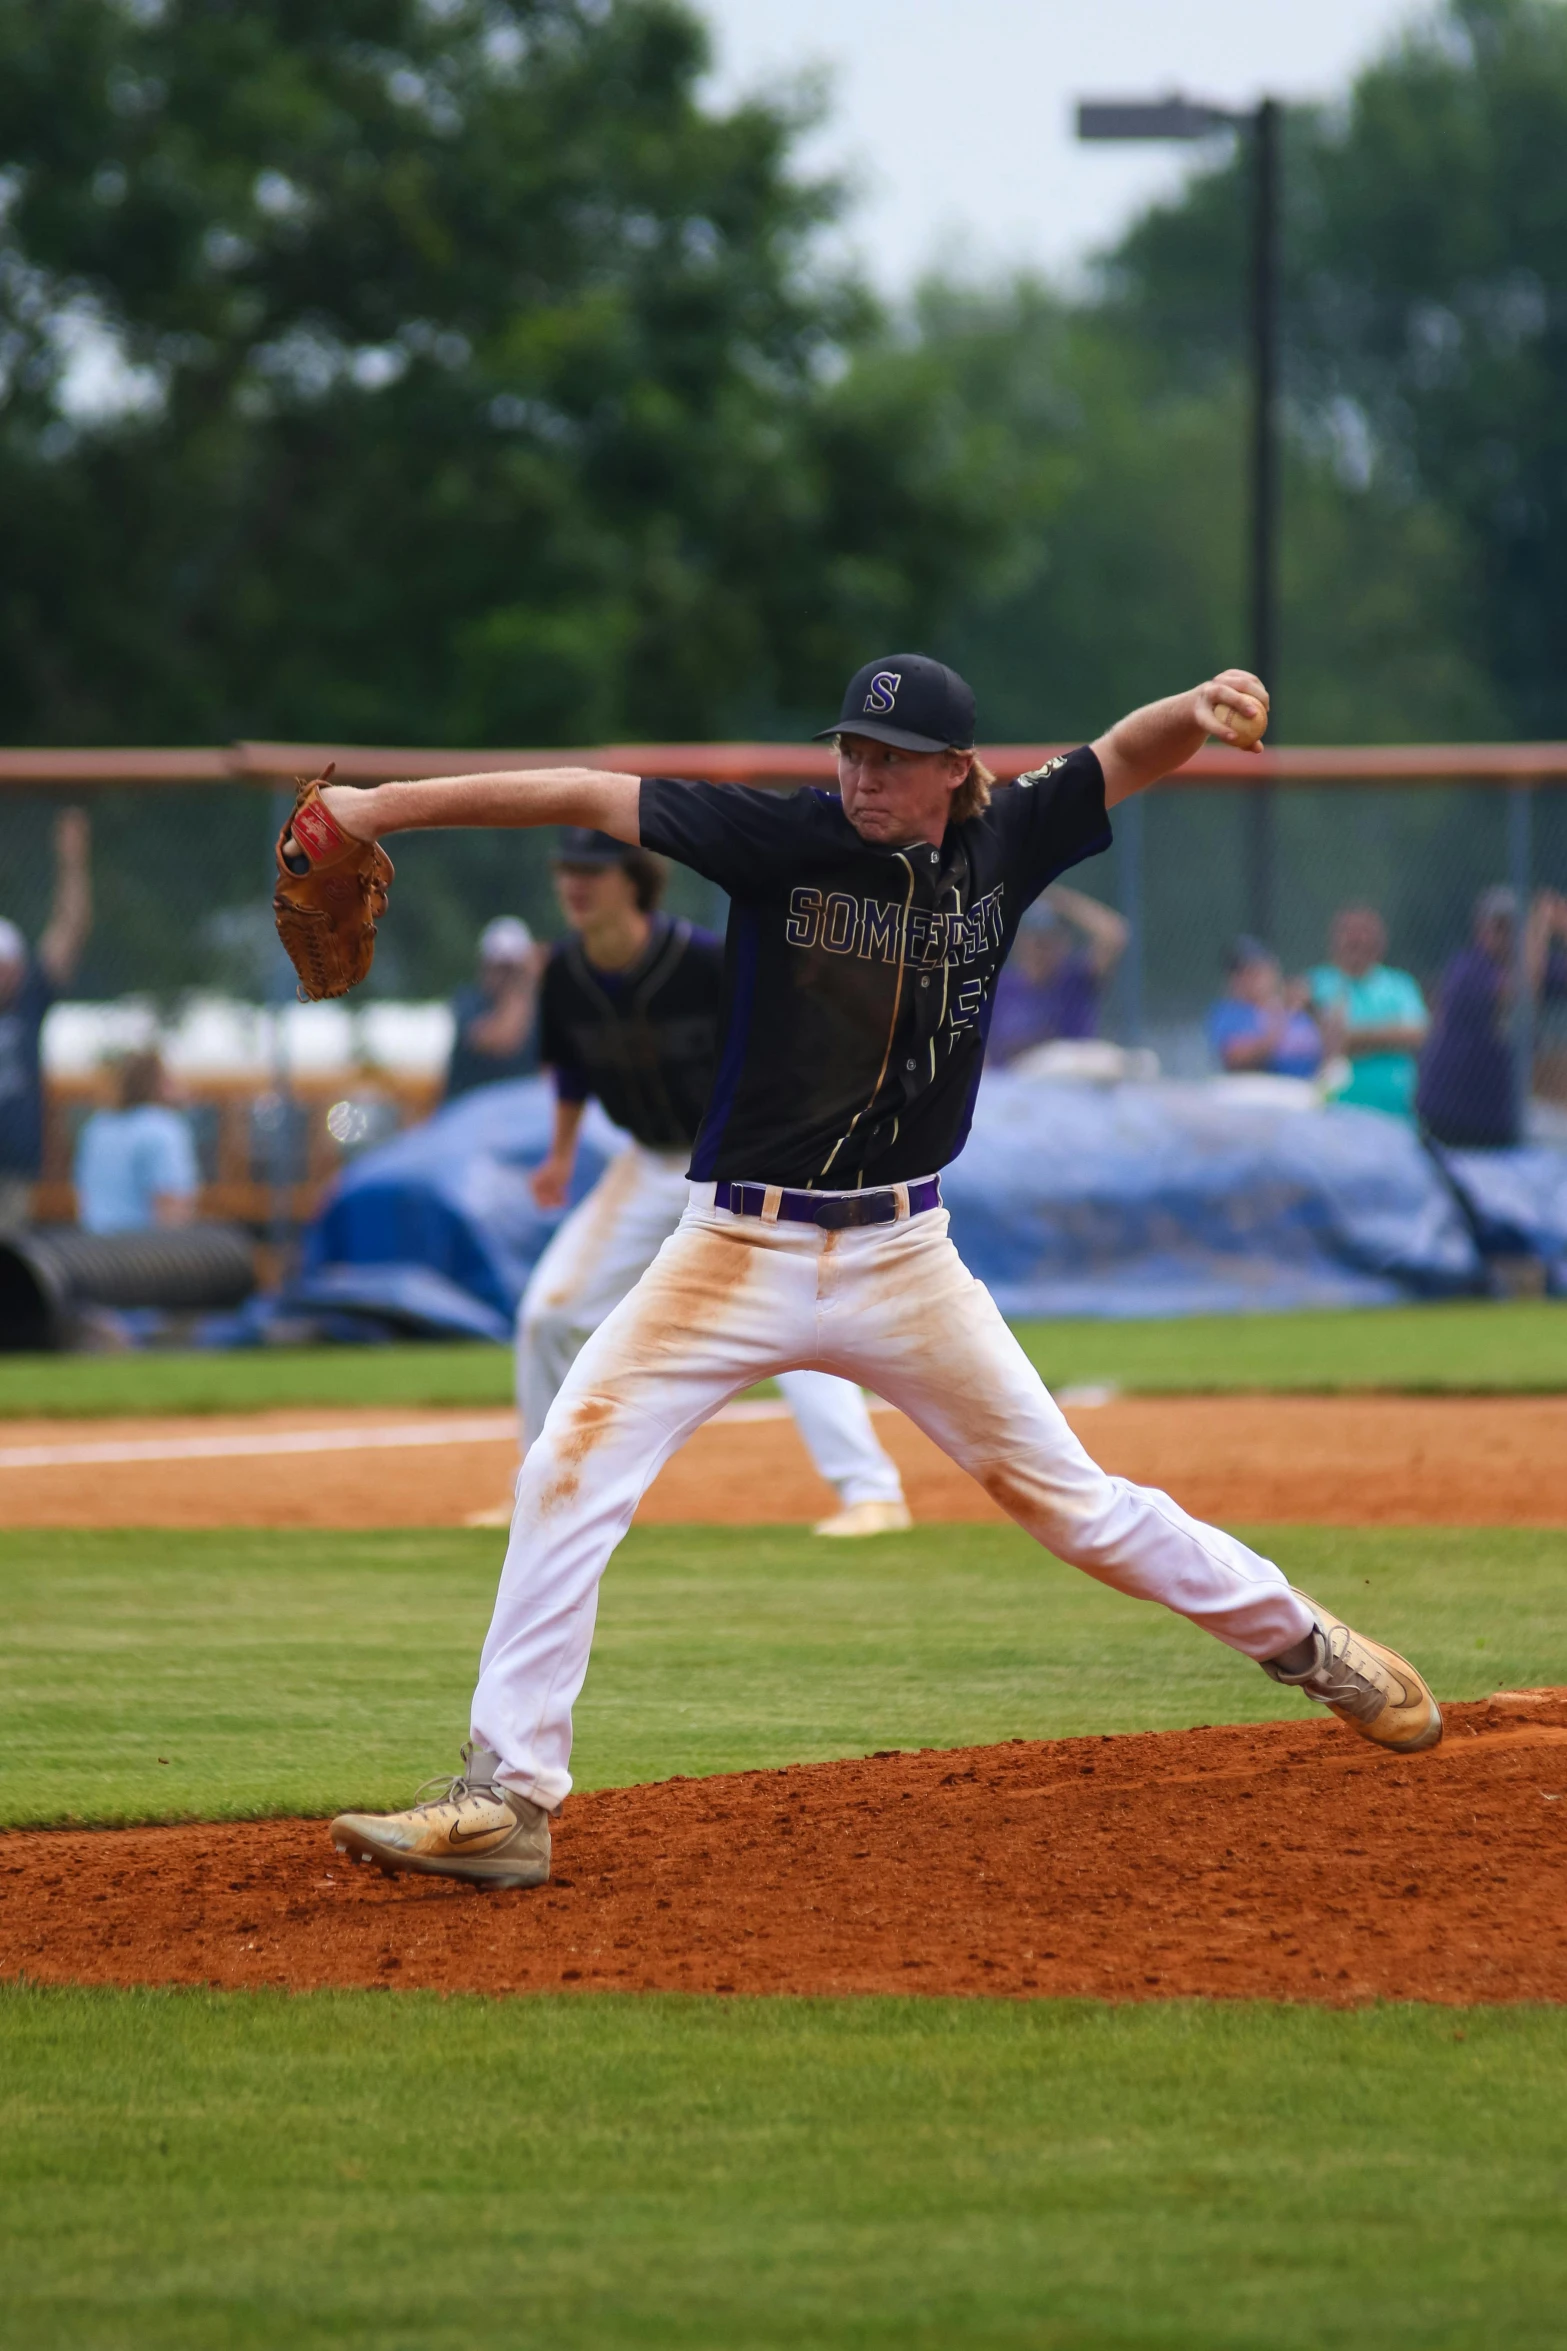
column 955, row 115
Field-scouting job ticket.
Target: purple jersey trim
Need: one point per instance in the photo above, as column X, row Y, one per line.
column 704, row 1159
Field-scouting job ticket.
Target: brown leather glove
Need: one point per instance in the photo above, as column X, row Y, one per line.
column 331, row 892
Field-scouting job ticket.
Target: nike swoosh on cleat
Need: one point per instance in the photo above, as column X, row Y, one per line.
column 456, row 1835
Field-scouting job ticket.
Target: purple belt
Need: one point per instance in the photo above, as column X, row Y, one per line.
column 834, row 1214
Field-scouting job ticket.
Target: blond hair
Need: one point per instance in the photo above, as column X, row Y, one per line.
column 973, row 794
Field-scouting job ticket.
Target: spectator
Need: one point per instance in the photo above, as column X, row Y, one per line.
column 1067, row 947
column 497, row 1019
column 1259, row 1023
column 29, row 984
column 1467, row 1095
column 135, row 1166
column 1370, row 1013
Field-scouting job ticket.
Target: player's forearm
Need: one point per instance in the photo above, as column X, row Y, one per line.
column 551, row 1179
column 1162, row 736
column 1149, row 743
column 527, row 796
column 568, row 1126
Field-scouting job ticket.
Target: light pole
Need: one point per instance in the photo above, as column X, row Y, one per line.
column 1187, row 119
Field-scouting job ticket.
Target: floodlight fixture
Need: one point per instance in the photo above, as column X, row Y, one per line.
column 1159, row 118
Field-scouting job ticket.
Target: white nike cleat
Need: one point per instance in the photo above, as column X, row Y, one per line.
column 475, row 1830
column 867, row 1518
column 1373, row 1689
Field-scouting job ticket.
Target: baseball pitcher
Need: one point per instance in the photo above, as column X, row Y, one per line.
column 866, row 931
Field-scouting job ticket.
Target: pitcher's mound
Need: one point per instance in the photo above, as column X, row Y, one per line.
column 1290, row 1860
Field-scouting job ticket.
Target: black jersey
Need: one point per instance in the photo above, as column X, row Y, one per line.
column 645, row 1039
column 858, row 979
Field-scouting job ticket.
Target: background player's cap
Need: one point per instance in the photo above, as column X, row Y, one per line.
column 910, row 701
column 579, row 844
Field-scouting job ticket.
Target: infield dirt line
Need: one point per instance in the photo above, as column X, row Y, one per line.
column 238, row 1444
column 1302, row 1460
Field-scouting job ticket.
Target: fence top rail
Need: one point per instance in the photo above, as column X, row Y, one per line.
column 762, row 763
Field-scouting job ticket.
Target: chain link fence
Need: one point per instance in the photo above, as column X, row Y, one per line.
column 182, row 878
column 182, row 889
column 182, row 952
column 1190, row 874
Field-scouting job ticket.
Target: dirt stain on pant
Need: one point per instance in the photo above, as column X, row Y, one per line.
column 684, row 1297
column 591, row 1416
column 678, row 1303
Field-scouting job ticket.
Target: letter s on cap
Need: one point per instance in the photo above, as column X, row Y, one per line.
column 882, row 696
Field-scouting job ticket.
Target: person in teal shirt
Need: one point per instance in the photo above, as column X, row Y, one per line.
column 1370, row 1014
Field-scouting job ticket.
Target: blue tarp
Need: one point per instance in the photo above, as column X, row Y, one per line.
column 449, row 1198
column 1163, row 1199
column 1517, row 1204
column 1132, row 1200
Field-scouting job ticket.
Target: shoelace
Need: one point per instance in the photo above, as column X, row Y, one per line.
column 452, row 1789
column 1362, row 1689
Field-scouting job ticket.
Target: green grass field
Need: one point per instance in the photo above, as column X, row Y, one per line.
column 294, row 1672
column 1473, row 1347
column 237, row 2172
column 193, row 2173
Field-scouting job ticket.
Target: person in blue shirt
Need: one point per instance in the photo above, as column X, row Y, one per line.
column 1370, row 1014
column 1259, row 1023
column 29, row 984
column 135, row 1167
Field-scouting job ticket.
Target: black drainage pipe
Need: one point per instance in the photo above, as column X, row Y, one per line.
column 50, row 1276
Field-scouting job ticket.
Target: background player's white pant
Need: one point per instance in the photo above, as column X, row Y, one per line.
column 600, row 1253
column 729, row 1299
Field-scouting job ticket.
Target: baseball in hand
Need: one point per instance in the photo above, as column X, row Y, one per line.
column 1249, row 726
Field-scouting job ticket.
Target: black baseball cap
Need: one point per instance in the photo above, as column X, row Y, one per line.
column 910, row 701
column 579, row 844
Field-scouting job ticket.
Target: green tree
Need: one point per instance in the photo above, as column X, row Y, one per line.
column 1123, row 573
column 1426, row 310
column 476, row 384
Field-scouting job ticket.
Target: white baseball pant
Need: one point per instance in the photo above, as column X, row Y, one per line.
column 730, row 1299
column 600, row 1253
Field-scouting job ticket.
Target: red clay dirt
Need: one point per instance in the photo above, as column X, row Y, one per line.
column 1305, row 1460
column 1290, row 1860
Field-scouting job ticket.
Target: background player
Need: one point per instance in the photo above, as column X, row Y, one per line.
column 866, row 931
column 629, row 1012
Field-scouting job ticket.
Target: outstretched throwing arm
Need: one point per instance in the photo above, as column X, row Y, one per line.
column 333, row 876
column 517, row 796
column 1162, row 736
